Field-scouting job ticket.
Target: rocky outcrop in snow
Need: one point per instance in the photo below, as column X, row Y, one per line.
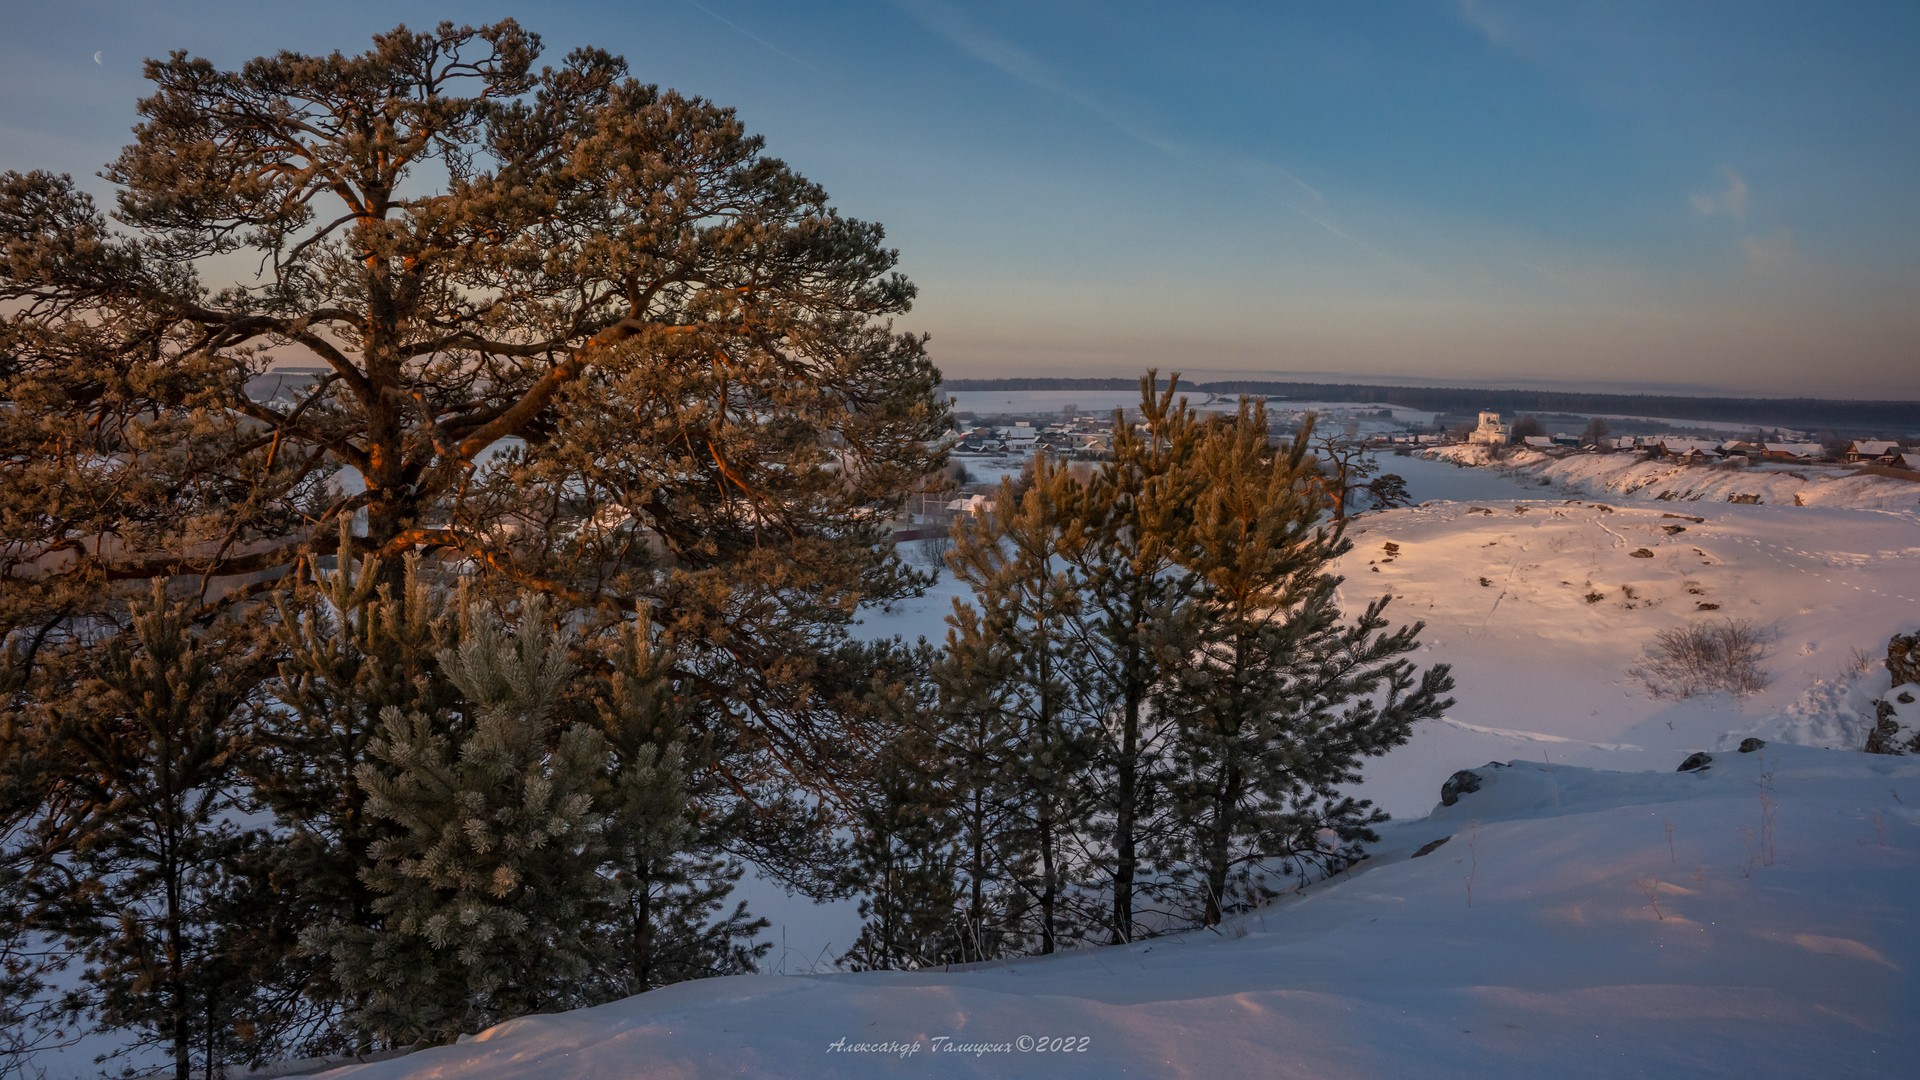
column 1464, row 782
column 1903, row 658
column 1896, row 720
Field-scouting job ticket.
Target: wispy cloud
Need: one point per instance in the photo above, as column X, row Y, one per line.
column 770, row 46
column 1482, row 17
column 951, row 23
column 1343, row 234
column 1732, row 202
column 976, row 41
column 1268, row 170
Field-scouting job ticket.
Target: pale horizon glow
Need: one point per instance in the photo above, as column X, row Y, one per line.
column 1703, row 197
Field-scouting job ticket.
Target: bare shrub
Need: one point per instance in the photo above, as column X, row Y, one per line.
column 1651, row 886
column 1860, row 661
column 932, row 550
column 1707, row 656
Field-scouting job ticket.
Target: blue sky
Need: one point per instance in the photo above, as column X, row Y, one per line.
column 1688, row 195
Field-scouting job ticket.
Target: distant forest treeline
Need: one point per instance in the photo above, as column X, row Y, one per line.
column 1815, row 414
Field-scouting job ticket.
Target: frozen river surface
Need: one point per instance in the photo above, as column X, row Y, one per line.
column 1442, row 480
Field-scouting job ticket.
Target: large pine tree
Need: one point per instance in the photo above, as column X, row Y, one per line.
column 549, row 329
column 573, row 332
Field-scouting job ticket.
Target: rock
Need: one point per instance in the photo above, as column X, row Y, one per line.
column 1696, row 762
column 1894, row 728
column 1885, row 736
column 1748, row 746
column 1428, row 849
column 1640, row 553
column 1903, row 658
column 1464, row 782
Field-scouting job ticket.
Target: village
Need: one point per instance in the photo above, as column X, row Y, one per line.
column 987, row 446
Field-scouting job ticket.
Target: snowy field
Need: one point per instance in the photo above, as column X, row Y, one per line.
column 1594, row 912
column 1543, row 605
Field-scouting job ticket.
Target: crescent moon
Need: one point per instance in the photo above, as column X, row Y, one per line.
column 96, row 57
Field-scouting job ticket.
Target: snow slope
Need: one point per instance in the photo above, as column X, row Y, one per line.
column 1591, row 913
column 1630, row 475
column 1542, row 674
column 1752, row 919
column 1543, row 606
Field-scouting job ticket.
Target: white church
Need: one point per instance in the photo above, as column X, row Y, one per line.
column 1491, row 431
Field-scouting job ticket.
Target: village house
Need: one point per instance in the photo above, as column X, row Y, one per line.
column 1793, row 451
column 1021, row 438
column 1687, row 451
column 1882, row 451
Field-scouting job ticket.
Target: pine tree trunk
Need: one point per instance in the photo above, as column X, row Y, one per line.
column 1049, row 885
column 1125, row 856
column 889, row 929
column 1220, row 841
column 641, row 955
column 977, row 867
column 172, row 875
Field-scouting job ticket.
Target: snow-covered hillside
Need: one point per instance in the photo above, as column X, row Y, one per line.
column 1622, row 476
column 1750, row 919
column 1591, row 911
column 1543, row 606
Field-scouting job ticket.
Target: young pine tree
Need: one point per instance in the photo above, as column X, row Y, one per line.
column 1025, row 640
column 977, row 738
column 1136, row 620
column 355, row 642
column 1280, row 698
column 489, row 891
column 660, row 836
column 143, row 879
column 29, row 1014
column 905, row 859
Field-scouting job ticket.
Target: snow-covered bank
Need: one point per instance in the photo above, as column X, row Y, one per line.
column 1621, row 476
column 1753, row 920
